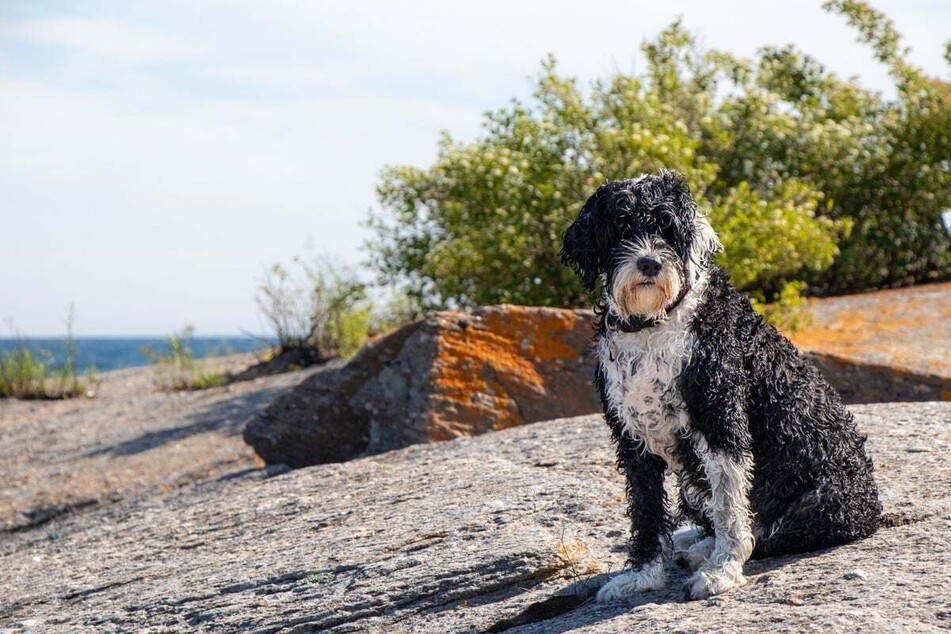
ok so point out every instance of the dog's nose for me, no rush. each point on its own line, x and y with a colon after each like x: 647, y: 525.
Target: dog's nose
x: 648, y: 266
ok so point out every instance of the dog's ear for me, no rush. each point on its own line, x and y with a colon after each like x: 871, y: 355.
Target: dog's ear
x: 675, y: 187
x: 706, y: 244
x: 579, y: 248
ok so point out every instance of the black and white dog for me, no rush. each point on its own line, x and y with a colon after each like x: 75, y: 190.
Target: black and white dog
x: 767, y: 458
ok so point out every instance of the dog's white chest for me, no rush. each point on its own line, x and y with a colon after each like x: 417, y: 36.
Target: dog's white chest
x: 641, y: 372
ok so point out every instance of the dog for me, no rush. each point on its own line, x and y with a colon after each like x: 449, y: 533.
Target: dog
x: 693, y: 381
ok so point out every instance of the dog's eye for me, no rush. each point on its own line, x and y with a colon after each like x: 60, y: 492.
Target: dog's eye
x: 666, y: 221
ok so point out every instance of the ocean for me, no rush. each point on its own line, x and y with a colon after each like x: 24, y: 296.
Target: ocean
x: 115, y: 353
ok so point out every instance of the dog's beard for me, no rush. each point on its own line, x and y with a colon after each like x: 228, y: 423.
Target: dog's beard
x: 634, y: 294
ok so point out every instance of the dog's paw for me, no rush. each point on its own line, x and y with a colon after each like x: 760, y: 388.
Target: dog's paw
x: 694, y: 555
x: 713, y: 581
x: 648, y: 577
x: 684, y: 538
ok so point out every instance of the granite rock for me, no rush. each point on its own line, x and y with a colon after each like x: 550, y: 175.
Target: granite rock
x: 510, y: 531
x: 447, y: 376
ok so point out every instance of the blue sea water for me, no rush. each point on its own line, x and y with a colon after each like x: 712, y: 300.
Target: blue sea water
x: 114, y: 353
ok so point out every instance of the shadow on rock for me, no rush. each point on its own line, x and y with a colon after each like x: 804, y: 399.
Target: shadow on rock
x: 575, y: 606
x: 227, y: 417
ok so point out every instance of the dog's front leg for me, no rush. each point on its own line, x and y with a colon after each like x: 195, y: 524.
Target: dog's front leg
x: 651, y: 521
x: 715, y: 388
x: 729, y: 511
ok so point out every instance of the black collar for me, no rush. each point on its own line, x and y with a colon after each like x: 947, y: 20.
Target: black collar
x: 637, y: 323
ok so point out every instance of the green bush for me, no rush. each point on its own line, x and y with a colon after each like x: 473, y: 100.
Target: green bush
x: 350, y: 330
x: 807, y: 177
x: 770, y: 239
x: 392, y: 311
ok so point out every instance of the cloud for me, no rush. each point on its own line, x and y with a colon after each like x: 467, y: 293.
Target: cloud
x: 275, y: 155
x: 101, y: 37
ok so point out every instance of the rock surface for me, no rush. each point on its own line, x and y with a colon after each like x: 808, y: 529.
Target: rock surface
x: 61, y: 456
x: 883, y: 346
x: 447, y: 376
x: 510, y: 531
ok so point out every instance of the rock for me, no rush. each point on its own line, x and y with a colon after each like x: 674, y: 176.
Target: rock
x: 507, y: 531
x: 860, y: 381
x: 66, y: 456
x: 447, y: 376
x: 855, y: 575
x: 892, y: 345
x: 458, y: 375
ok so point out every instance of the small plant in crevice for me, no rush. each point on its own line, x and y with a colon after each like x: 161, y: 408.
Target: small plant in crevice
x: 176, y: 368
x: 570, y: 555
x: 22, y: 374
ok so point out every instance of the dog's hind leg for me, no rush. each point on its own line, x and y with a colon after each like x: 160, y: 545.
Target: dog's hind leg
x: 820, y: 518
x: 692, y: 547
x: 687, y: 536
x: 694, y: 542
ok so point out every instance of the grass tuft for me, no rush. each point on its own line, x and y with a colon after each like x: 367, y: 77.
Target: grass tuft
x: 28, y: 375
x: 177, y: 368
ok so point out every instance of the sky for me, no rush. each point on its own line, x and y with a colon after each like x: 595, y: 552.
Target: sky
x: 156, y: 157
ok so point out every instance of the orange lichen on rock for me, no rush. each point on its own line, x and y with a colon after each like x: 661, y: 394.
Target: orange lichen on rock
x: 494, y: 366
x: 903, y: 328
x: 541, y: 334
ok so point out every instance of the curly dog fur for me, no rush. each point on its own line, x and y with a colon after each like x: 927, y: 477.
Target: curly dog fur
x: 692, y: 380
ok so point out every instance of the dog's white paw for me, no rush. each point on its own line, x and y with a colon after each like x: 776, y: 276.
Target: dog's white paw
x: 684, y: 538
x: 714, y: 581
x: 694, y: 555
x: 648, y: 577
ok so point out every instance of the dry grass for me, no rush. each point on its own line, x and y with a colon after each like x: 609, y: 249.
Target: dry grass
x: 571, y: 555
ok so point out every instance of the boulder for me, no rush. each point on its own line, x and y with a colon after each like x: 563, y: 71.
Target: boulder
x: 510, y: 531
x: 447, y: 376
x: 891, y: 345
x: 860, y: 381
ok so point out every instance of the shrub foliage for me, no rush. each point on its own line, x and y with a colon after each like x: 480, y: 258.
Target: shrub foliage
x: 318, y: 311
x: 807, y: 177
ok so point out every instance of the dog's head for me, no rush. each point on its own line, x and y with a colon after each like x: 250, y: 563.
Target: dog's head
x: 648, y: 239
